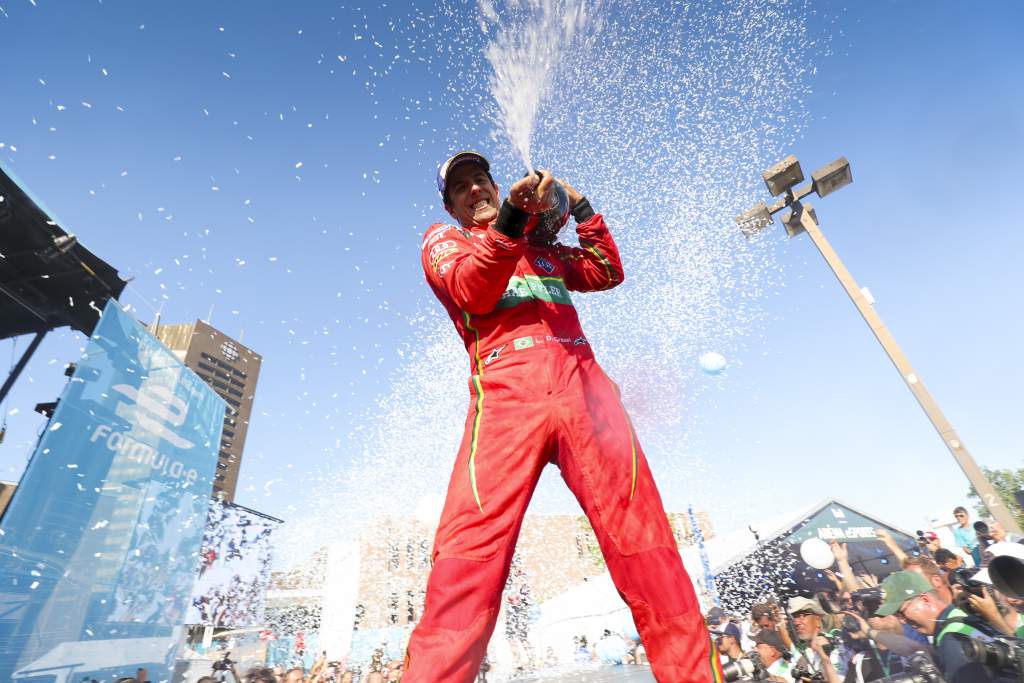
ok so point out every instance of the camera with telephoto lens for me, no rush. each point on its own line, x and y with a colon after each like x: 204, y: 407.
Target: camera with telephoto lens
x: 920, y: 669
x: 748, y: 668
x: 963, y: 579
x: 1006, y: 654
x: 803, y: 675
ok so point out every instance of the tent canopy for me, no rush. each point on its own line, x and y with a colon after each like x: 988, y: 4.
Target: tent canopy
x: 773, y: 564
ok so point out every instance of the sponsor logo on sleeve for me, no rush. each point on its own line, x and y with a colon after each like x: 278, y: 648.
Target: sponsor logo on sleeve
x: 434, y: 235
x: 545, y: 265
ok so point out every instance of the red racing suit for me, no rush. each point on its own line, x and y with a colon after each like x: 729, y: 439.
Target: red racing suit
x: 536, y: 396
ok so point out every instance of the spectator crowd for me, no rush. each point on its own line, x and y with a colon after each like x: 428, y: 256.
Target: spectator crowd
x: 938, y: 618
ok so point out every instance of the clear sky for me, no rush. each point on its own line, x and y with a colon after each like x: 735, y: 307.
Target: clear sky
x: 275, y: 162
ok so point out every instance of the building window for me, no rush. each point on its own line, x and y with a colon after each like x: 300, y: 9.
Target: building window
x: 393, y: 608
x: 393, y: 561
x: 360, y: 613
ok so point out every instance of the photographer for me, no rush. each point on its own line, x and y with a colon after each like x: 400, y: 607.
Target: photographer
x: 818, y: 656
x: 727, y: 639
x: 774, y: 656
x: 914, y: 600
x: 975, y: 598
x: 871, y: 660
x: 767, y: 616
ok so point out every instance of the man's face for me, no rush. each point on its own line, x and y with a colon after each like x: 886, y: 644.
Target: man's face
x: 293, y: 676
x: 920, y: 612
x: 765, y: 621
x: 961, y: 518
x: 768, y: 653
x: 807, y: 625
x: 726, y: 643
x: 472, y: 196
x: 953, y: 563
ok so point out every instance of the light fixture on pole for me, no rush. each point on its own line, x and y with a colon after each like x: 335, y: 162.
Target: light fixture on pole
x: 781, y: 179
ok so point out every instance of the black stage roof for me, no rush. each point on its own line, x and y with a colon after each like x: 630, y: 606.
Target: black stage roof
x: 47, y: 279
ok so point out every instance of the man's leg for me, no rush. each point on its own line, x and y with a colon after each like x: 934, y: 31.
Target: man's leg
x: 602, y: 463
x: 495, y: 473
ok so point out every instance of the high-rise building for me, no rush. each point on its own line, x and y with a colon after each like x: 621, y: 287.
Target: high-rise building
x: 232, y: 370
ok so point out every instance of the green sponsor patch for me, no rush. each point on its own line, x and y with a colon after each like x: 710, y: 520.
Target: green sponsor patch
x: 522, y: 343
x: 534, y: 288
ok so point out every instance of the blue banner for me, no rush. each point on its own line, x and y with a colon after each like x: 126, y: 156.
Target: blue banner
x: 709, y: 577
x: 100, y: 545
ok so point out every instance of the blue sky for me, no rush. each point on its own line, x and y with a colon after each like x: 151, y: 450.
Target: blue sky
x: 228, y: 156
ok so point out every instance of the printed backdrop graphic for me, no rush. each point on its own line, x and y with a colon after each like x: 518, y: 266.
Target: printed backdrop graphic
x: 234, y: 569
x: 100, y: 545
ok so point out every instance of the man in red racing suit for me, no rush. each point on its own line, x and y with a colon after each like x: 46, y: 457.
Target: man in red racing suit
x: 537, y: 395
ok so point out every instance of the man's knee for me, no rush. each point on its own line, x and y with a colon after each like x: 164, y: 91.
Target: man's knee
x: 657, y: 578
x: 460, y: 590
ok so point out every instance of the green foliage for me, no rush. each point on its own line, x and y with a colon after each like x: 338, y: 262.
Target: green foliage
x: 1006, y: 483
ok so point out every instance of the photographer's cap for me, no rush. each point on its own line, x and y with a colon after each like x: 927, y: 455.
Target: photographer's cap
x: 468, y: 156
x: 900, y: 587
x: 771, y: 637
x: 802, y: 604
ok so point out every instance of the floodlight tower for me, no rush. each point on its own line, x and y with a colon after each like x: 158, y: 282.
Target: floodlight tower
x: 782, y: 179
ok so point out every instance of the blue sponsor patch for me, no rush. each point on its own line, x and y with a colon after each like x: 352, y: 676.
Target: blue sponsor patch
x: 544, y: 265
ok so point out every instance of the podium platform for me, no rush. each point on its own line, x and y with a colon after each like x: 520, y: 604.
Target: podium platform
x: 614, y: 674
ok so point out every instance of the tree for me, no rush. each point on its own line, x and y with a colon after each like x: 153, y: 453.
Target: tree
x: 1006, y: 483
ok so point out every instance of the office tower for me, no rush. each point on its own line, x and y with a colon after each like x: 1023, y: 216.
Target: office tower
x: 232, y: 370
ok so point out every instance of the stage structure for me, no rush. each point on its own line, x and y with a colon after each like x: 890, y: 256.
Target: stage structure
x: 100, y: 545
x: 47, y: 278
x: 771, y: 563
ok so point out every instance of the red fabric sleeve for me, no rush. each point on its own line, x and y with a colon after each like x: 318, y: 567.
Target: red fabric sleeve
x: 471, y: 271
x: 595, y: 264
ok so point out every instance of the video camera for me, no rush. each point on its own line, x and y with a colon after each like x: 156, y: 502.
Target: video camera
x: 802, y: 675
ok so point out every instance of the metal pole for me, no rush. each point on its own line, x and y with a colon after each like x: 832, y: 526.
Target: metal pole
x: 16, y: 370
x: 988, y: 494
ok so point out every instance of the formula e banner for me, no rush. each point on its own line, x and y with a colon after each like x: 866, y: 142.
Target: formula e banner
x: 100, y: 545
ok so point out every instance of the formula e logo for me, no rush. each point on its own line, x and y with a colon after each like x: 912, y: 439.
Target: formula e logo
x: 494, y: 354
x: 154, y: 408
x: 544, y: 265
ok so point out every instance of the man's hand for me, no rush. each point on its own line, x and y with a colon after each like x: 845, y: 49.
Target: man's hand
x: 869, y: 580
x: 818, y: 644
x: 574, y: 195
x: 864, y: 628
x: 839, y: 551
x: 528, y: 194
x: 986, y: 606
